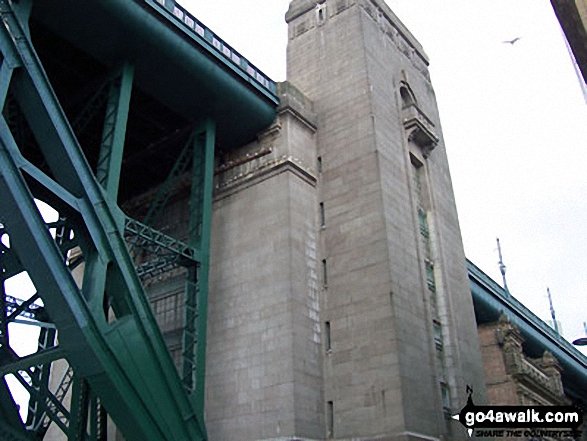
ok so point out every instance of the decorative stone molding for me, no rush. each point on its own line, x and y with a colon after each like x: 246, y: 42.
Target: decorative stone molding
x: 397, y: 33
x: 377, y: 10
x: 294, y: 101
x: 420, y: 129
x: 271, y: 153
x: 541, y: 375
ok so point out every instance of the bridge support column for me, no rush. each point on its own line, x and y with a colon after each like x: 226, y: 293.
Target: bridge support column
x: 196, y: 295
x: 122, y: 355
x: 114, y: 133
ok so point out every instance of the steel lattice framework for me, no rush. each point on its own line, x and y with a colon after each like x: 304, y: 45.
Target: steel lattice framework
x: 99, y: 347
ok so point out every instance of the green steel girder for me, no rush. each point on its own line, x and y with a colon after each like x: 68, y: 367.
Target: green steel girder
x: 114, y: 133
x: 9, y: 434
x: 47, y: 403
x: 10, y: 262
x: 41, y: 370
x: 37, y: 359
x: 92, y: 107
x: 11, y: 427
x: 166, y: 190
x: 59, y: 394
x: 163, y: 253
x: 25, y: 308
x: 80, y: 402
x: 106, y: 328
x: 200, y: 226
x: 155, y: 242
x: 169, y: 253
x: 4, y: 343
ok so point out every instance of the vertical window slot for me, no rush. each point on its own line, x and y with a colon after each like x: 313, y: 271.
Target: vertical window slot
x: 330, y: 419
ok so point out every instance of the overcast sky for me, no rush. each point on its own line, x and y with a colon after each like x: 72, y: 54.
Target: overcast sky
x: 514, y: 122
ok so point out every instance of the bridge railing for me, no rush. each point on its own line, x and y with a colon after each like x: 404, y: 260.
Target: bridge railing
x: 197, y: 29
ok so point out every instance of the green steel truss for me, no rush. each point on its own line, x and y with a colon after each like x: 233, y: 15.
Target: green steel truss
x: 99, y: 347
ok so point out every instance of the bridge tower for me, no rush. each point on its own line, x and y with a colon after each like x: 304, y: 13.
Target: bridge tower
x: 399, y: 335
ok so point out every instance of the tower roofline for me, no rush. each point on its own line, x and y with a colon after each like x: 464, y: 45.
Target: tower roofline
x: 395, y: 20
x: 300, y: 7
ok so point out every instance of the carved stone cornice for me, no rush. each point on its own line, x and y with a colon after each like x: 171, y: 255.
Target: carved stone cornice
x: 541, y: 375
x: 420, y: 129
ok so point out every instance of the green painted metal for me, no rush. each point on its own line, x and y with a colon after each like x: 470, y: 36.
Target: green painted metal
x: 164, y: 252
x: 80, y: 401
x: 40, y: 358
x: 92, y: 107
x: 106, y: 328
x: 166, y: 190
x: 97, y: 329
x: 113, y: 135
x: 172, y: 61
x: 200, y: 228
x: 40, y: 369
x: 196, y: 290
x: 189, y: 24
x: 4, y: 344
x: 9, y: 434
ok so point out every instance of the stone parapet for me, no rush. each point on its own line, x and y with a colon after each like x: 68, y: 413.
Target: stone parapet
x: 274, y: 149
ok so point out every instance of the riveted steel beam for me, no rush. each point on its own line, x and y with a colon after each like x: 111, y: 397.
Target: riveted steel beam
x: 200, y: 224
x: 114, y: 132
x: 169, y: 185
x: 37, y: 359
x: 104, y: 322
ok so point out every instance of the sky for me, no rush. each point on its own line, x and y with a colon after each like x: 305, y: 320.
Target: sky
x: 514, y: 123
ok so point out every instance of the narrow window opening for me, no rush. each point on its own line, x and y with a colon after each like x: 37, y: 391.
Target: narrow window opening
x: 438, y: 334
x: 327, y: 338
x: 324, y: 273
x: 440, y: 361
x: 319, y: 164
x: 445, y: 398
x: 430, y: 279
x: 322, y: 216
x: 407, y: 95
x: 330, y: 418
x: 320, y: 15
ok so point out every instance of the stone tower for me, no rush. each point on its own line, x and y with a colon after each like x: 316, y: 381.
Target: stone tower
x: 398, y: 322
x: 340, y: 305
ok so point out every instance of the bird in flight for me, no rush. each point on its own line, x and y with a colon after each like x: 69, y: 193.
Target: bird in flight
x: 512, y: 42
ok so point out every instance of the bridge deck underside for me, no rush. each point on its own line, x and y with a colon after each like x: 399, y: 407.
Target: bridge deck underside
x: 176, y: 83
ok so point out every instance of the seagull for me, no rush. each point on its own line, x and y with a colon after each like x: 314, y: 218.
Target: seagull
x: 512, y: 42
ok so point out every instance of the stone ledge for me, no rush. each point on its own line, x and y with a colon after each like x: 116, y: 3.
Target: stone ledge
x: 266, y: 171
x: 300, y: 7
x: 294, y: 101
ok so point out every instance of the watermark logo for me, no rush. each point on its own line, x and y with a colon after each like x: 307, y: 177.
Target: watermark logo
x: 517, y: 421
